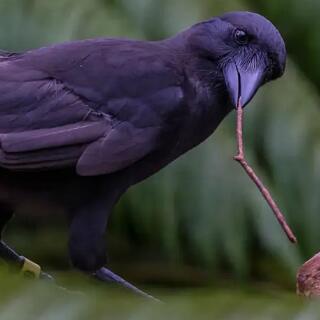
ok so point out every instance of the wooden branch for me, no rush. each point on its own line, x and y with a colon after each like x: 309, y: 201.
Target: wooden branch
x: 240, y: 157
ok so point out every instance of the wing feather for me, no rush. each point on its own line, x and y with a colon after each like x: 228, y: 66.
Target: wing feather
x: 72, y: 134
x: 47, y: 94
x: 121, y: 147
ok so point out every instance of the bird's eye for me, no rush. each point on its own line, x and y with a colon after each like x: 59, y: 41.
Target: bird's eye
x: 241, y: 37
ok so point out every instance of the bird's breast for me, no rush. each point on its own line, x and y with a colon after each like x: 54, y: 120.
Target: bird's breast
x: 194, y: 119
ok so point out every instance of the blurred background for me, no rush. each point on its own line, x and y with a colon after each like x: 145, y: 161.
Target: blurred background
x: 198, y: 232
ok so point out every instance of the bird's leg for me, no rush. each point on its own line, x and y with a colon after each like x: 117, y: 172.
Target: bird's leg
x: 87, y: 243
x: 27, y: 267
x: 6, y: 253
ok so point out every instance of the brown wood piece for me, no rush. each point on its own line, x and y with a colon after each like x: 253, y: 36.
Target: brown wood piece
x: 240, y: 157
x: 308, y: 278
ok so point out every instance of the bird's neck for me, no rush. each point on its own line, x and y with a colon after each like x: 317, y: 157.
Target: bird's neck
x: 188, y: 48
x: 208, y: 99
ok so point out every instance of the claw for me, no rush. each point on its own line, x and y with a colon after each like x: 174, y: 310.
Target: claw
x: 32, y: 270
x: 106, y: 275
x: 47, y: 277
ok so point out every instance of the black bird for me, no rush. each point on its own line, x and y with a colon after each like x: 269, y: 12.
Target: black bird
x: 82, y: 121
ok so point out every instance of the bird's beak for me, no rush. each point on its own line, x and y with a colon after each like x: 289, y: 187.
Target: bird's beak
x: 243, y: 82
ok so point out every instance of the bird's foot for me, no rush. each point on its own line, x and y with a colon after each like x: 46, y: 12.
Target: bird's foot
x: 31, y: 270
x: 26, y: 267
x: 107, y: 275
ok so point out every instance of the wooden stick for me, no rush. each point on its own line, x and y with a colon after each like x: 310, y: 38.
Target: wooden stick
x: 240, y: 157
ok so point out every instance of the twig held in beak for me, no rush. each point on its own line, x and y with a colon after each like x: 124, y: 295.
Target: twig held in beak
x: 240, y: 157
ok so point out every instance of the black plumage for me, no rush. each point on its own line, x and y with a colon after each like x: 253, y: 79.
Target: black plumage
x: 82, y: 121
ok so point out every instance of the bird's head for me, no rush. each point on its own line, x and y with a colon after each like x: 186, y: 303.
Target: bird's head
x: 247, y: 48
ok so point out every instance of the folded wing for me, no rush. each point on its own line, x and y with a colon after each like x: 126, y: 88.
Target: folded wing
x: 51, y: 101
x: 46, y: 126
x: 93, y: 148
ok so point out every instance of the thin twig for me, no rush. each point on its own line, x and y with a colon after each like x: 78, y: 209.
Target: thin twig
x: 240, y: 157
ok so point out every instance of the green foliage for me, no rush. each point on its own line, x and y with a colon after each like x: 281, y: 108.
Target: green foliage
x: 35, y: 301
x: 299, y: 23
x: 202, y: 210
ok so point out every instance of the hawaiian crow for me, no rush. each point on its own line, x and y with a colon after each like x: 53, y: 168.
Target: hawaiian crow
x: 82, y: 121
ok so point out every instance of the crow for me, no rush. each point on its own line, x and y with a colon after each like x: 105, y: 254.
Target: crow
x: 82, y: 121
